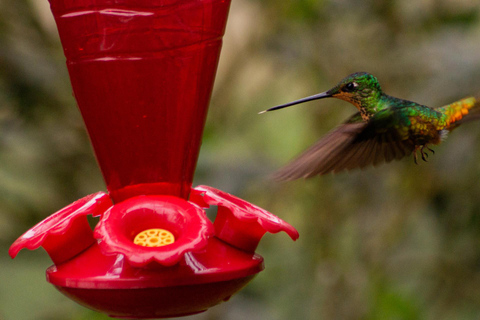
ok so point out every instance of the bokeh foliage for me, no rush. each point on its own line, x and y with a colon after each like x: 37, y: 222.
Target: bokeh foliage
x: 396, y: 242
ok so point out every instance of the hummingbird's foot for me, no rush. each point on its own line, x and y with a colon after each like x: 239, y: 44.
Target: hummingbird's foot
x: 415, y: 155
x: 423, y: 153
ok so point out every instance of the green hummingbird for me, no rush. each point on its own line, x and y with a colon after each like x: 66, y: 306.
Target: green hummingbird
x: 385, y: 128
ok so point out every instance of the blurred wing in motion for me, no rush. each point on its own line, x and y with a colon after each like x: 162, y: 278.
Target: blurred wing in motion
x: 354, y: 144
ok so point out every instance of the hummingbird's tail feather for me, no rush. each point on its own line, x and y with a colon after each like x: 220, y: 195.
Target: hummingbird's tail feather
x: 473, y: 114
x: 461, y: 111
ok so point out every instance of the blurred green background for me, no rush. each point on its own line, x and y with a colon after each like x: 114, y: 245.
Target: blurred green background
x: 401, y: 241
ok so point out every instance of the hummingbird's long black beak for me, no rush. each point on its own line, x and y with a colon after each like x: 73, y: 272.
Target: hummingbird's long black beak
x: 322, y: 95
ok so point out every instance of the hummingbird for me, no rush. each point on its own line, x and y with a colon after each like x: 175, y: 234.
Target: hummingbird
x: 385, y: 128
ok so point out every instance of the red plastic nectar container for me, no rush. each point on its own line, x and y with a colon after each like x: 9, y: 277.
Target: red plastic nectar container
x: 142, y: 73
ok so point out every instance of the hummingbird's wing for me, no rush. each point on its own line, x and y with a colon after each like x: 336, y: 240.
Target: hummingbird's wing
x: 354, y: 144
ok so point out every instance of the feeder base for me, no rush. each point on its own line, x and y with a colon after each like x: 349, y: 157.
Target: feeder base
x: 150, y: 303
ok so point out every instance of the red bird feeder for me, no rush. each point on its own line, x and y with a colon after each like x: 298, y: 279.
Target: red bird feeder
x: 142, y: 73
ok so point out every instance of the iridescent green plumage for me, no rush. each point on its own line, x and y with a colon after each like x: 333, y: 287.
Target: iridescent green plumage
x: 385, y: 128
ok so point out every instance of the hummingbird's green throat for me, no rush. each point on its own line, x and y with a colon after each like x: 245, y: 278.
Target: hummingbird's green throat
x: 384, y: 129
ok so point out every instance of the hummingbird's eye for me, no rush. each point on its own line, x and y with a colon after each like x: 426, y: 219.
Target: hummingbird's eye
x: 349, y: 87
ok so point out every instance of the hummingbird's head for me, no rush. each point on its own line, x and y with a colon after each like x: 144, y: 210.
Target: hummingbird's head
x: 360, y: 89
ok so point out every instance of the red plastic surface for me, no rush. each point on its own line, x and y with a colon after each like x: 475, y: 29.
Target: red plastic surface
x: 92, y: 269
x: 142, y: 73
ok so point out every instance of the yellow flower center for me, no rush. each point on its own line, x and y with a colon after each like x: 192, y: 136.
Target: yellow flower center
x: 154, y: 238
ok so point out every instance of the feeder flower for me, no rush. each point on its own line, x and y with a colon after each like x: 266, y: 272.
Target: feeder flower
x: 183, y: 223
x: 65, y: 233
x: 239, y: 222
